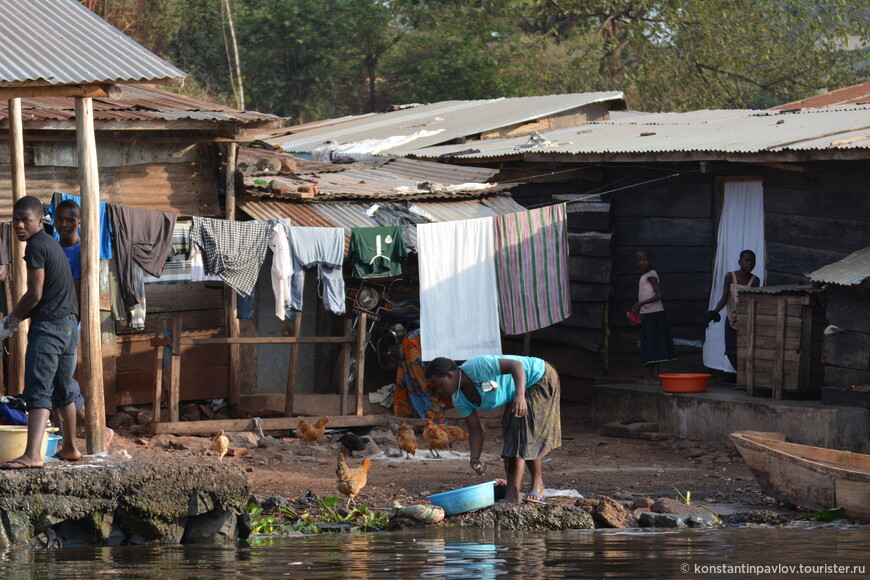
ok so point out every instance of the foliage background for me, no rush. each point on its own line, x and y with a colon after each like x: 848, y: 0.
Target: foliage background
x: 314, y: 59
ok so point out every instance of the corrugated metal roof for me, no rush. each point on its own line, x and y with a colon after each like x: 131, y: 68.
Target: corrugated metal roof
x: 792, y: 289
x: 56, y: 42
x: 854, y: 95
x: 437, y: 172
x: 853, y: 269
x: 449, y: 120
x: 137, y: 103
x: 353, y: 214
x: 712, y: 132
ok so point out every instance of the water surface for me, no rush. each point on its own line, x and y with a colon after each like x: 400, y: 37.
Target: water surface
x: 471, y: 553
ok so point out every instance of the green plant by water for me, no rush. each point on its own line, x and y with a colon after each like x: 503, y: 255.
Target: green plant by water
x: 286, y: 520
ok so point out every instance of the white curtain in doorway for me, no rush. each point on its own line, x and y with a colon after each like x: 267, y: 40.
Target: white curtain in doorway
x: 741, y: 227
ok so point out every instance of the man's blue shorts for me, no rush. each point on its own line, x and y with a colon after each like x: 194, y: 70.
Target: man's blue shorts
x: 50, y: 362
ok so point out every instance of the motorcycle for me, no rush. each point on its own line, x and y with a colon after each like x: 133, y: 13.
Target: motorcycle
x: 394, y: 310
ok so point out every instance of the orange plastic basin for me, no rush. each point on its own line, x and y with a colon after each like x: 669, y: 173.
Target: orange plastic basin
x: 684, y: 382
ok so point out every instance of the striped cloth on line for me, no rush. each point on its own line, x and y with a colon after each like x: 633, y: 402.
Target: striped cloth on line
x: 531, y: 257
x: 176, y: 270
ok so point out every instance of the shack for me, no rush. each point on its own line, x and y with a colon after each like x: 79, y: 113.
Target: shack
x: 158, y: 151
x: 845, y: 291
x: 668, y: 179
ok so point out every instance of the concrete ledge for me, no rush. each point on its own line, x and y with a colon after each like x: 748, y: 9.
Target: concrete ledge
x: 713, y: 415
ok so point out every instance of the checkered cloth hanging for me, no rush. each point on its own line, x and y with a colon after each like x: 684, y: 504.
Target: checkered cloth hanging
x: 232, y: 250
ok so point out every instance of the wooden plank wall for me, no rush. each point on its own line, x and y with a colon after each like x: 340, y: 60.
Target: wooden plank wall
x: 187, y: 188
x: 846, y: 354
x: 673, y: 218
x: 814, y: 218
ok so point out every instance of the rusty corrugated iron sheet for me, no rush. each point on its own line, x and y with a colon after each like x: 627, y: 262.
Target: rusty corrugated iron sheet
x: 851, y: 270
x: 137, y: 103
x: 854, y: 95
x: 57, y: 42
x: 437, y: 172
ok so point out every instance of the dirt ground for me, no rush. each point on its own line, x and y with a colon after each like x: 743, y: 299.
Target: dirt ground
x: 588, y: 462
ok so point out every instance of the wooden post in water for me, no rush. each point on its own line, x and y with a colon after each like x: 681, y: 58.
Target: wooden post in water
x: 19, y: 272
x: 91, y: 369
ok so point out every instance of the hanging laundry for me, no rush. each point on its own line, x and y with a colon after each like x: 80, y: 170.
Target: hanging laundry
x: 245, y: 305
x: 531, y: 260
x: 377, y: 252
x: 142, y: 236
x: 323, y: 248
x: 177, y: 268
x: 458, y: 292
x: 282, y: 269
x: 137, y: 313
x: 105, y: 222
x: 197, y: 268
x: 232, y: 250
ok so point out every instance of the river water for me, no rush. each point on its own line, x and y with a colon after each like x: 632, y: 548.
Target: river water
x: 479, y: 554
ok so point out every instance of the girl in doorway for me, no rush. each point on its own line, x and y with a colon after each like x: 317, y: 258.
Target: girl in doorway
x: 656, y: 343
x: 731, y: 285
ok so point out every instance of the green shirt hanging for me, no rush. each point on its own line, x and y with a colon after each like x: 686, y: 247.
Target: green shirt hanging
x: 377, y: 252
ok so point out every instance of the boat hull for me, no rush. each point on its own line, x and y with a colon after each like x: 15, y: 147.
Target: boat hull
x: 812, y: 477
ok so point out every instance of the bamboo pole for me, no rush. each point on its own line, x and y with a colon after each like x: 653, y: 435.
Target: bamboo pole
x: 91, y: 370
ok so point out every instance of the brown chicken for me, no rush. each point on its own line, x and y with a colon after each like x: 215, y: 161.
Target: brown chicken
x: 351, y: 480
x: 436, y: 437
x: 455, y: 433
x: 311, y: 433
x: 407, y: 440
x: 221, y: 444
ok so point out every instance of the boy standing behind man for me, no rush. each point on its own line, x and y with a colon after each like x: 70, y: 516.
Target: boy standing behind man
x: 51, y: 304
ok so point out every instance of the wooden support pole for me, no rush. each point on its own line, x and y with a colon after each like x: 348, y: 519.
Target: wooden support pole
x: 291, y: 369
x: 235, y: 366
x: 19, y: 277
x: 779, y: 350
x: 361, y: 339
x: 174, y: 370
x: 344, y: 365
x: 158, y: 372
x: 750, y: 344
x: 91, y: 369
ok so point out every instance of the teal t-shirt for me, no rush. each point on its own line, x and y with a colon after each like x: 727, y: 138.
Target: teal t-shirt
x: 481, y: 369
x: 377, y: 252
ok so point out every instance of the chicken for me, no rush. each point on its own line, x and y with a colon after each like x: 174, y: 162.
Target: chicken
x: 436, y: 437
x: 353, y: 442
x: 221, y: 444
x: 311, y: 433
x: 351, y: 480
x: 407, y: 440
x: 455, y: 433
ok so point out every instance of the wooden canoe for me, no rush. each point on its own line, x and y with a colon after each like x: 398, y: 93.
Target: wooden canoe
x: 812, y: 477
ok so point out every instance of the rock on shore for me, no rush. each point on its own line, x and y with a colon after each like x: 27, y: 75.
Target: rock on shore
x: 109, y: 503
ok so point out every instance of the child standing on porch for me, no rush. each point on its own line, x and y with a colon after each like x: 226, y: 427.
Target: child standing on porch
x: 733, y: 283
x: 656, y: 343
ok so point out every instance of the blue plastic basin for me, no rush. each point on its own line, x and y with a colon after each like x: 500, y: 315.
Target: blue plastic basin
x: 465, y: 499
x: 51, y: 447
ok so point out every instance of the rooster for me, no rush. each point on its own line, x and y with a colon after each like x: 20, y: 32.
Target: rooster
x: 221, y: 444
x: 311, y: 433
x: 455, y: 433
x: 436, y: 437
x: 407, y: 440
x: 351, y: 480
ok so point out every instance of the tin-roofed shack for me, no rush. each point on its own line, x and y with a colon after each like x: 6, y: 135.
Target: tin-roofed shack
x: 665, y: 178
x: 846, y: 342
x: 344, y: 195
x: 160, y: 151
